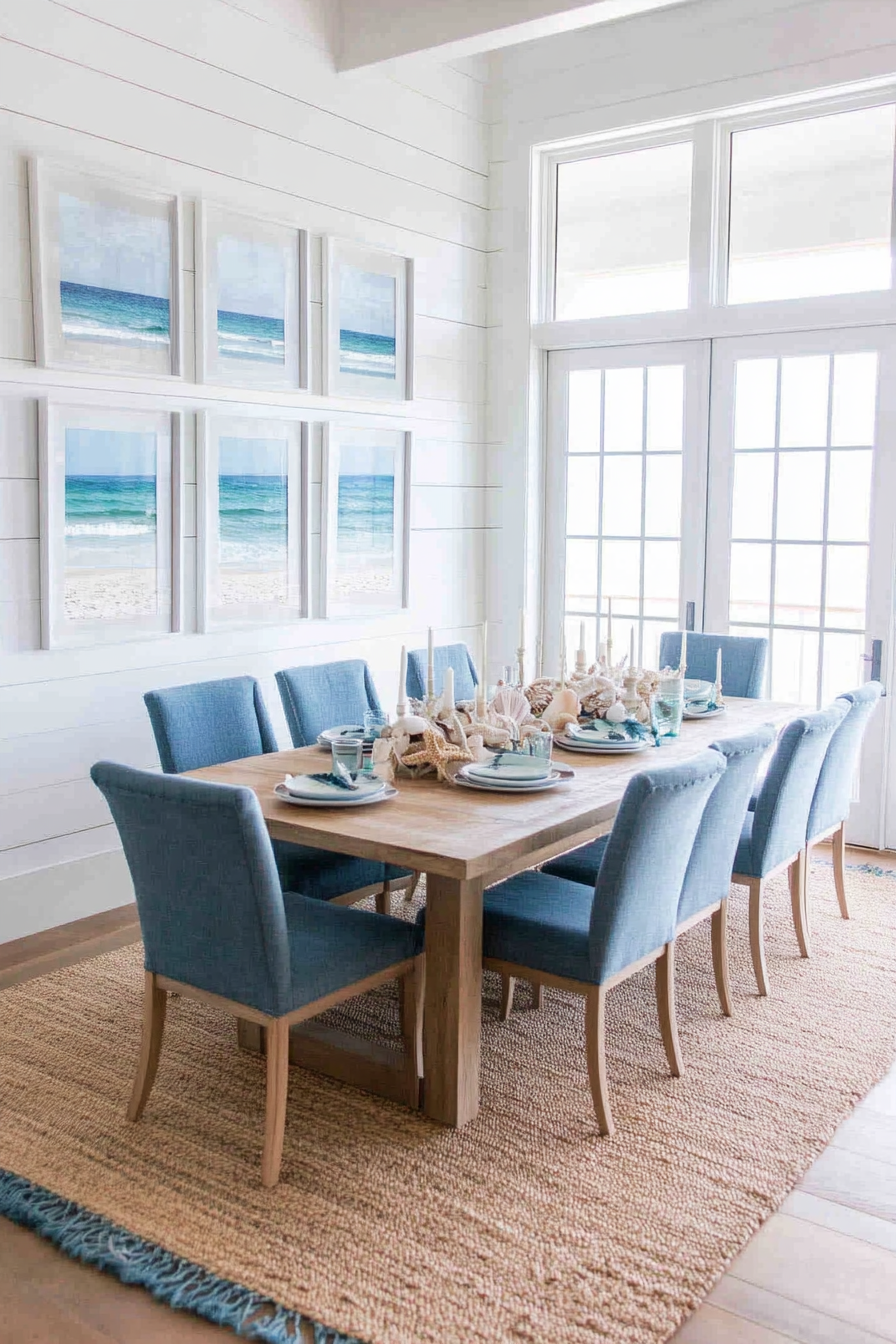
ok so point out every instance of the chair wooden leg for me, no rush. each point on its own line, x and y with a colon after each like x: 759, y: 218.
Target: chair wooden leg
x: 797, y: 876
x: 757, y: 942
x: 154, y: 1004
x: 508, y: 985
x: 838, y: 841
x: 596, y: 1055
x: 383, y: 900
x: 411, y: 890
x: 277, y: 1040
x: 411, y: 988
x: 720, y: 957
x: 665, y: 1006
x: 537, y: 994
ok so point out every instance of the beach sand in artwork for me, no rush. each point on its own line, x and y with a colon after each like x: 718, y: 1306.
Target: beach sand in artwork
x: 110, y: 594
x: 252, y: 587
x: 374, y: 579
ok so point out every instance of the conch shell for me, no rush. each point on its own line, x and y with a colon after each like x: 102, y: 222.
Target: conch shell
x: 540, y: 693
x: 563, y: 709
x: 596, y: 693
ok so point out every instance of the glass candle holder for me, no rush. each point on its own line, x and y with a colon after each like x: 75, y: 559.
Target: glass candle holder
x: 668, y: 706
x: 348, y: 752
x: 375, y: 720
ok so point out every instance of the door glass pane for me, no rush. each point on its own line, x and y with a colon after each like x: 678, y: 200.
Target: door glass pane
x: 843, y: 667
x: 584, y: 411
x: 623, y: 410
x: 816, y: 558
x: 662, y: 506
x: 811, y: 205
x: 622, y: 496
x: 581, y: 575
x: 621, y: 573
x: 623, y: 224
x: 582, y: 496
x: 661, y: 578
x: 665, y: 409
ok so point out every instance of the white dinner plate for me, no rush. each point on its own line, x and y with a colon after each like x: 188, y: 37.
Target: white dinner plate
x: 345, y: 799
x: 697, y: 690
x: 600, y: 748
x: 533, y: 786
x: 692, y: 712
x: 527, y: 771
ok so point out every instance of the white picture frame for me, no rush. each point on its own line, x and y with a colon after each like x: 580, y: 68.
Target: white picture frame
x: 243, y: 266
x: 373, y: 290
x: 252, y: 525
x: 365, y: 523
x: 106, y: 274
x: 111, y: 524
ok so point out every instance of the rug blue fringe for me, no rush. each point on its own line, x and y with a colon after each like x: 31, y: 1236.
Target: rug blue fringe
x: 176, y: 1282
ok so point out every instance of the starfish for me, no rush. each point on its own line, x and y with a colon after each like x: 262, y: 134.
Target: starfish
x: 437, y: 752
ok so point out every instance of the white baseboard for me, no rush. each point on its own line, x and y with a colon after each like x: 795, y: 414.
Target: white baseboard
x: 39, y: 900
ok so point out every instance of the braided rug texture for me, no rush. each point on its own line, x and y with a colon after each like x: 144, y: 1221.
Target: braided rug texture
x: 523, y: 1227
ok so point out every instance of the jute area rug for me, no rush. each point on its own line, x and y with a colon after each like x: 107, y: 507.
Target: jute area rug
x: 525, y: 1226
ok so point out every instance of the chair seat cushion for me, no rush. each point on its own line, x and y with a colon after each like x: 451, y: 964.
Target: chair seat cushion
x: 323, y: 874
x: 331, y: 946
x: 580, y: 865
x: 394, y: 873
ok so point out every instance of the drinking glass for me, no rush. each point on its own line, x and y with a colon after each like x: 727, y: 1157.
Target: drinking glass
x: 541, y: 745
x: 349, y: 752
x: 374, y: 723
x: 668, y: 705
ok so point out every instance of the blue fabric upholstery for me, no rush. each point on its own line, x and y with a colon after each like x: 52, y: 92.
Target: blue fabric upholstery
x: 323, y: 696
x: 776, y: 830
x: 210, y: 722
x: 709, y: 868
x: 833, y: 792
x: 466, y: 678
x: 743, y: 660
x: 211, y: 911
x: 545, y: 923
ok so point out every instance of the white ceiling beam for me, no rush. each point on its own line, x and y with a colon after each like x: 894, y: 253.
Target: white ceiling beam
x: 372, y: 31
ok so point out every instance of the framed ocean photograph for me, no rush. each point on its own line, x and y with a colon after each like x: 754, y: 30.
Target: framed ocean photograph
x: 253, y: 499
x: 105, y: 274
x: 369, y: 307
x: 110, y: 524
x: 364, y: 520
x: 252, y: 301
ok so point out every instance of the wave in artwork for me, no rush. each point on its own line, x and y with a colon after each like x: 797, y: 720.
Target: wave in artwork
x: 365, y: 534
x: 110, y: 547
x: 244, y: 336
x: 113, y: 316
x: 365, y: 353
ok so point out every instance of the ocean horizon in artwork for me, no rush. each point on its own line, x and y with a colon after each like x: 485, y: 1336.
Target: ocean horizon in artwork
x: 113, y: 316
x: 253, y: 521
x: 365, y: 534
x: 361, y: 352
x: 110, y: 547
x: 251, y: 304
x: 245, y: 336
x: 367, y: 304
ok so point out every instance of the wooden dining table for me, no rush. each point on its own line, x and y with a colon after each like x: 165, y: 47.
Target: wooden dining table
x: 464, y: 841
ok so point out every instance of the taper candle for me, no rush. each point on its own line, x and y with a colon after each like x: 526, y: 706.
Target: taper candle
x: 402, y: 704
x: 631, y: 647
x: 448, y: 691
x: 522, y: 627
x: 581, y: 655
x: 430, y: 667
x: 609, y: 622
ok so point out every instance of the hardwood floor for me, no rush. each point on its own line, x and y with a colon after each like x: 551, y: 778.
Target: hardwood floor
x: 821, y: 1271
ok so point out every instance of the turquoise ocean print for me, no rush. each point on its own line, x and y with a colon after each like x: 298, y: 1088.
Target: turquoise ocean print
x: 114, y: 274
x: 253, y: 520
x: 365, y: 526
x: 111, y: 524
x: 367, y: 314
x: 251, y: 301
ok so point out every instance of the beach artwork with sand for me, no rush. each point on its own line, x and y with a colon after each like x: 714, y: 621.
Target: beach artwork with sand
x: 365, y: 521
x: 114, y: 274
x: 253, y: 521
x: 111, y: 525
x: 367, y: 316
x: 251, y: 300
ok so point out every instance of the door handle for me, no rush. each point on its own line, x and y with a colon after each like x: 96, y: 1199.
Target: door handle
x: 689, y: 615
x: 875, y: 658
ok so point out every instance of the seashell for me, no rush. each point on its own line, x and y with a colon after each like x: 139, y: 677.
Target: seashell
x: 617, y: 713
x: 510, y: 703
x: 410, y: 724
x: 540, y: 693
x: 476, y: 745
x: 565, y: 705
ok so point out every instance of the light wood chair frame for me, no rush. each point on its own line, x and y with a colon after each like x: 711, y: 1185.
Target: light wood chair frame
x: 837, y: 837
x: 381, y: 893
x: 370, y: 1070
x: 796, y: 868
x: 596, y: 1016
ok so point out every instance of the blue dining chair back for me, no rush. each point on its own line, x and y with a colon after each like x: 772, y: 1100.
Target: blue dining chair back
x: 466, y: 678
x: 833, y: 792
x: 209, y: 722
x: 208, y: 894
x: 324, y: 696
x: 638, y: 886
x: 708, y: 876
x: 743, y: 660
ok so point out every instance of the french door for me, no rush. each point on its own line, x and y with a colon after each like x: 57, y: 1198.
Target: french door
x: 760, y: 499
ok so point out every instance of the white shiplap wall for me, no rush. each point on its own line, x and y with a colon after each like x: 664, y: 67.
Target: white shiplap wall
x: 239, y: 104
x: 702, y: 57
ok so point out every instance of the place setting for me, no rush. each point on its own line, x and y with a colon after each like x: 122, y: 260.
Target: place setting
x: 350, y: 782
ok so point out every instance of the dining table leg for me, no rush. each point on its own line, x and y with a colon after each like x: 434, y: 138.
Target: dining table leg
x: 453, y: 1001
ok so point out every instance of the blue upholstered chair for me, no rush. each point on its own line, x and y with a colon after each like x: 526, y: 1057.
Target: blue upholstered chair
x: 743, y: 660
x: 216, y: 927
x: 585, y: 939
x: 210, y: 722
x: 773, y: 839
x: 704, y: 892
x: 833, y: 792
x: 324, y: 696
x: 466, y: 678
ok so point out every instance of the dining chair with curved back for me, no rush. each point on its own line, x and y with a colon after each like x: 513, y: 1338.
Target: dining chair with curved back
x: 773, y: 838
x: 743, y: 660
x: 210, y: 722
x: 707, y: 881
x: 833, y: 792
x: 327, y: 695
x: 587, y: 938
x: 456, y: 656
x: 216, y: 927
